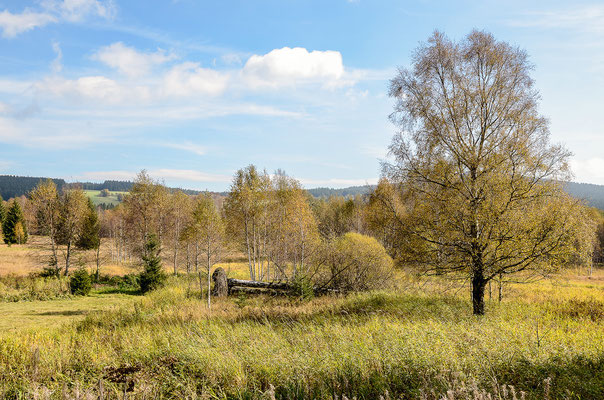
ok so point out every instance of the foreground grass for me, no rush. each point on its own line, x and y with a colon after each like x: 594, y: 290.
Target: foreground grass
x: 547, y: 341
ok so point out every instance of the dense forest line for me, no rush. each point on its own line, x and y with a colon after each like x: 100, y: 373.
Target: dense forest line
x: 17, y: 186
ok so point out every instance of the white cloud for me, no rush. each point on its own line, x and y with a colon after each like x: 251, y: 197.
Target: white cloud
x: 56, y: 66
x: 14, y: 24
x: 589, y: 18
x: 338, y: 183
x: 129, y: 61
x: 97, y: 88
x: 50, y: 134
x: 287, y: 66
x: 105, y: 175
x: 10, y: 131
x: 188, y: 146
x: 167, y: 174
x: 588, y: 171
x: 188, y: 175
x: 190, y: 79
x: 78, y: 10
x: 231, y: 59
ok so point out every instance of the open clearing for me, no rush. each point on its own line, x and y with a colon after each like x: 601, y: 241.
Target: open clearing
x: 112, y: 199
x: 23, y: 315
x: 412, y: 340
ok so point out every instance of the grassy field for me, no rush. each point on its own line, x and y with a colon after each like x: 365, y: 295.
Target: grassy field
x: 415, y: 341
x: 545, y: 340
x: 96, y: 199
x: 33, y: 257
x: 42, y: 315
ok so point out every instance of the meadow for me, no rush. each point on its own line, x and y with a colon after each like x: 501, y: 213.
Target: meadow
x: 97, y: 199
x: 417, y: 340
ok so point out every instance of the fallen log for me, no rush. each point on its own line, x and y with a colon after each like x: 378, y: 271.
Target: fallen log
x: 232, y: 282
x: 255, y: 286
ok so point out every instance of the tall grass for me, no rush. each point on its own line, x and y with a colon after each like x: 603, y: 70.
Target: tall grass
x: 546, y: 341
x: 19, y: 288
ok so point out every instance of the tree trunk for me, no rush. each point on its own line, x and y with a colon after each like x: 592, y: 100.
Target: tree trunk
x: 209, y: 275
x: 67, y: 256
x: 98, y: 260
x: 188, y: 258
x: 478, y: 288
x: 196, y: 256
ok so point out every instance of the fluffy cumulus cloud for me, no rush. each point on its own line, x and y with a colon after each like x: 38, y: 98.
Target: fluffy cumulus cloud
x: 129, y: 61
x: 154, y: 77
x: 288, y: 66
x: 53, y: 11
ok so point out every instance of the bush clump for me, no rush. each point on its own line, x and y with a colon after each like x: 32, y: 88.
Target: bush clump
x: 80, y: 283
x: 355, y: 262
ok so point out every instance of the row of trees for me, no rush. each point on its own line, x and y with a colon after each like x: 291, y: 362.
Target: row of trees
x: 283, y: 232
x: 68, y: 218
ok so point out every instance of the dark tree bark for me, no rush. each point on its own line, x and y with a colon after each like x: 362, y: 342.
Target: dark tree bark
x: 479, y: 284
x: 221, y: 287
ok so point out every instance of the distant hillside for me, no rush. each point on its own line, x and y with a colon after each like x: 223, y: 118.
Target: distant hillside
x: 113, y: 186
x: 17, y: 186
x: 323, y: 192
x: 592, y: 194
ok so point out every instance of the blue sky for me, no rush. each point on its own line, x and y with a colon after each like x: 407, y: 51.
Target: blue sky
x: 193, y: 90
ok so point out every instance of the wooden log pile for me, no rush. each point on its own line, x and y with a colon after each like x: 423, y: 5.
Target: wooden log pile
x: 224, y: 286
x: 240, y: 285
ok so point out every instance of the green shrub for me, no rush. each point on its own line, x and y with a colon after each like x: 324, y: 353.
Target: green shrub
x: 80, y: 283
x: 128, y: 282
x: 50, y: 272
x: 303, y: 288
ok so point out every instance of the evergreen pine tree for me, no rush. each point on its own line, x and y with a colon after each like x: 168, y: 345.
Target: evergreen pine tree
x: 153, y: 276
x: 2, y: 210
x: 89, y: 237
x: 13, y: 226
x: 2, y: 213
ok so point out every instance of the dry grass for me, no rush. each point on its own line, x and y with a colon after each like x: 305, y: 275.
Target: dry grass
x: 417, y: 341
x: 414, y: 342
x: 33, y: 256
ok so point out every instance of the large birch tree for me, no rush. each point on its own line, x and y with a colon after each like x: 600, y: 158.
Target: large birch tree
x: 481, y: 179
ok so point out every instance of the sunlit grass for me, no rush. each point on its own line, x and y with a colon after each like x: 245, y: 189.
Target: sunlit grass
x: 413, y: 340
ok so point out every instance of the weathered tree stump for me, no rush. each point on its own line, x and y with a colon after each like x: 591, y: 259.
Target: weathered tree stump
x: 221, y: 287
